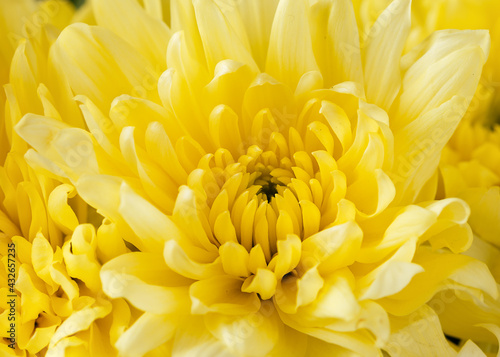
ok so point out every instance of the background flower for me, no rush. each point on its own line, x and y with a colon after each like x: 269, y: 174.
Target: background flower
x: 469, y: 165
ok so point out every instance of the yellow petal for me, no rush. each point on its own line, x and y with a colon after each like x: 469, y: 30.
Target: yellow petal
x: 149, y: 223
x: 159, y: 146
x: 222, y: 33
x: 336, y: 299
x: 194, y: 339
x: 80, y: 158
x: 24, y: 77
x: 254, y: 334
x: 188, y: 216
x: 110, y: 243
x: 230, y: 81
x: 389, y: 279
x: 46, y: 326
x: 80, y: 259
x: 129, y: 21
x: 266, y: 92
x: 60, y: 211
x: 382, y: 53
x: 475, y: 314
x: 263, y: 282
x: 81, y: 320
x: 42, y: 257
x: 378, y: 244
x: 39, y: 131
x: 103, y: 193
x: 234, y: 259
x: 258, y: 19
x: 450, y: 66
x: 191, y: 262
x: 183, y: 18
x: 101, y: 66
x: 378, y: 186
x: 484, y: 219
x: 141, y: 278
x: 418, y: 145
x: 222, y: 294
x: 148, y: 332
x: 334, y: 247
x: 470, y: 349
x: 224, y: 129
x: 32, y: 299
x: 288, y: 255
x: 291, y: 343
x: 160, y: 188
x: 290, y: 53
x: 451, y: 229
x: 442, y: 270
x: 336, y: 42
x: 294, y: 291
x: 424, y: 341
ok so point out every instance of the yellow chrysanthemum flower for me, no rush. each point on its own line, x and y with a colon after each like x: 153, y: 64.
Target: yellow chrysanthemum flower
x: 470, y: 170
x: 274, y: 178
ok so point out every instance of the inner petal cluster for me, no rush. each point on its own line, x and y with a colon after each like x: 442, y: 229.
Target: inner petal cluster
x: 258, y: 204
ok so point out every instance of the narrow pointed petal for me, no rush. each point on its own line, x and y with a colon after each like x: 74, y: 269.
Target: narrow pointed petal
x: 222, y: 32
x: 290, y: 53
x: 382, y: 53
x: 336, y: 42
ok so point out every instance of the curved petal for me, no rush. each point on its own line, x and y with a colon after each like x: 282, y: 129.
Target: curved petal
x: 442, y: 271
x: 148, y: 332
x: 222, y: 294
x: 252, y: 335
x: 427, y: 337
x: 145, y: 281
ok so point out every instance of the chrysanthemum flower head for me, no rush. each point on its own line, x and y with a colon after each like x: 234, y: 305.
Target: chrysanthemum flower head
x: 274, y: 177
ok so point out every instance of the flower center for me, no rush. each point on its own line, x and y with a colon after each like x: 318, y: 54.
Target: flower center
x: 263, y: 197
x: 269, y: 186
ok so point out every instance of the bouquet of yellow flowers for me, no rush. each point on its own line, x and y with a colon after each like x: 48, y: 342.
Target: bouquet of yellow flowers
x: 250, y: 178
